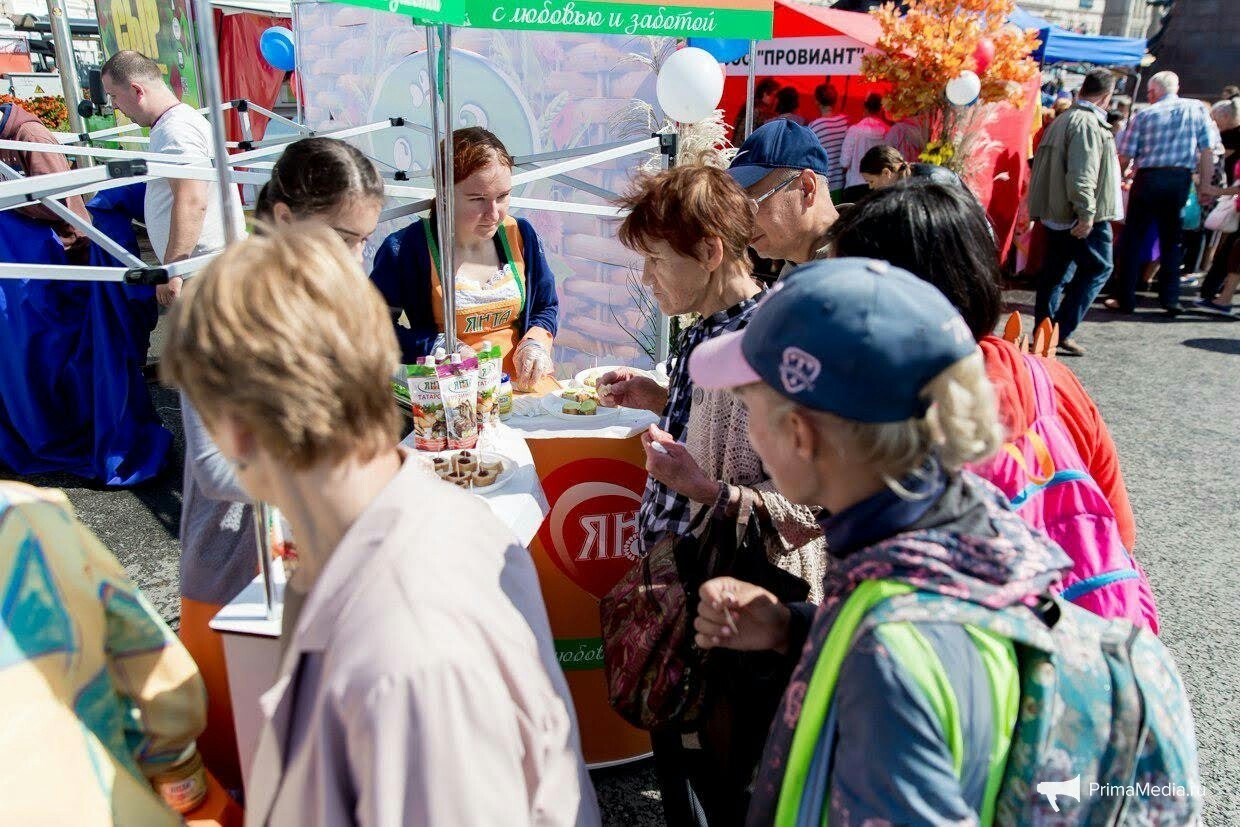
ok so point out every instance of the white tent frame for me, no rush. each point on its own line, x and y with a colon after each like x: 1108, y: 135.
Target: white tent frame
x: 128, y: 167
x: 249, y: 166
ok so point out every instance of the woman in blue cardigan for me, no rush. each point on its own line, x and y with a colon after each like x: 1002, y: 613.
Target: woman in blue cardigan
x: 505, y: 291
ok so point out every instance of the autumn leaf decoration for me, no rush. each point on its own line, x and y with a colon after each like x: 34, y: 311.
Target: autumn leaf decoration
x: 921, y: 50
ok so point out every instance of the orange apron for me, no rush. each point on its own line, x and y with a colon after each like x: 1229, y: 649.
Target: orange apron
x: 477, y: 318
x: 498, y: 320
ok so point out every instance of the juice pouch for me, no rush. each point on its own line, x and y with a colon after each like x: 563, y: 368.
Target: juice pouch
x: 458, y: 387
x: 490, y: 368
x: 430, y: 429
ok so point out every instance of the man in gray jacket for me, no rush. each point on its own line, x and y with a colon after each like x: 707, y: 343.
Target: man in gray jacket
x: 1075, y: 193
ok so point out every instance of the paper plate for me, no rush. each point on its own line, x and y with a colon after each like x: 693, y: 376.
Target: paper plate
x: 505, y: 476
x: 554, y: 405
x: 579, y: 380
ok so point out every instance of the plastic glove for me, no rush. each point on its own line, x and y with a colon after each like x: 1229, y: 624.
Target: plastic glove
x: 465, y: 351
x: 531, y: 362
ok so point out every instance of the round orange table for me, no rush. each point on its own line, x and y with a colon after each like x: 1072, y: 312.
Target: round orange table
x: 594, y: 489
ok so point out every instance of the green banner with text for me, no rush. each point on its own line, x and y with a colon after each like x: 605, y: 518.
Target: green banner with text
x: 579, y: 653
x: 451, y: 12
x: 746, y: 19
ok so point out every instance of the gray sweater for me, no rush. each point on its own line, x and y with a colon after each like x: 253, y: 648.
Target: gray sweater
x: 218, y: 551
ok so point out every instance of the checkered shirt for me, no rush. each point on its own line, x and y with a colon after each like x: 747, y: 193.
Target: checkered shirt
x: 1170, y: 133
x: 664, y: 511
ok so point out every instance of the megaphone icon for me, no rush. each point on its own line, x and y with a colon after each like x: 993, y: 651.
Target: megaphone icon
x: 1053, y: 789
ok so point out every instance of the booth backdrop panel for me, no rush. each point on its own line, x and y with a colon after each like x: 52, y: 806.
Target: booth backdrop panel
x: 538, y: 92
x: 803, y: 27
x: 243, y: 72
x: 1000, y: 177
x: 1004, y: 172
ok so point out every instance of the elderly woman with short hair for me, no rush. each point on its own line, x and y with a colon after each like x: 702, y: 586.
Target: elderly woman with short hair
x: 422, y: 659
x: 692, y: 225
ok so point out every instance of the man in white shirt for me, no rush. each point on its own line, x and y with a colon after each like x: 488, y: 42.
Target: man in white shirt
x: 865, y: 134
x: 184, y: 218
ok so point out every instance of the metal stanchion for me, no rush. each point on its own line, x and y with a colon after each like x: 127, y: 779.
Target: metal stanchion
x: 749, y: 87
x: 209, y: 61
x: 62, y: 42
x: 669, y: 146
x: 444, y: 178
x: 209, y: 57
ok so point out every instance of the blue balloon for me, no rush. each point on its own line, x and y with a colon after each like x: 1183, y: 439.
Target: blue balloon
x: 276, y: 47
x: 722, y: 50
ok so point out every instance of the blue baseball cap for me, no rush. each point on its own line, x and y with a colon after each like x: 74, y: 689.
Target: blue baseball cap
x: 855, y: 337
x: 778, y: 144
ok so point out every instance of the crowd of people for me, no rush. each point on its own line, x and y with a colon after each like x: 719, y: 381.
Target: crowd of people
x: 1111, y: 185
x: 854, y: 435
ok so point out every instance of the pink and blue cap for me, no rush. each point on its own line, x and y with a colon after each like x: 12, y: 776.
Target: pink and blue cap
x: 855, y: 337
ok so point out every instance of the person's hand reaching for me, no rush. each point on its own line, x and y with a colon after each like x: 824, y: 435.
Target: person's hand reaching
x: 737, y: 615
x: 670, y: 462
x: 631, y: 388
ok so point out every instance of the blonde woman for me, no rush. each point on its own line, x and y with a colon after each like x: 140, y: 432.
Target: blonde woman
x: 422, y: 660
x: 866, y: 396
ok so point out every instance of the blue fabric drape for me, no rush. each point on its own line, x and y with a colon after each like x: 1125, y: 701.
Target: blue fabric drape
x: 72, y: 395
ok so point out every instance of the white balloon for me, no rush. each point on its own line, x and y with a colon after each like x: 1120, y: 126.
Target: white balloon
x: 963, y: 89
x: 690, y: 85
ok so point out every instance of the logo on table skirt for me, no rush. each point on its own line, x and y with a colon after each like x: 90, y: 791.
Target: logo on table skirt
x: 591, y: 532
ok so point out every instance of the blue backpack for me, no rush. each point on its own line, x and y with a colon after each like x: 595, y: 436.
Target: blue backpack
x: 1104, y: 733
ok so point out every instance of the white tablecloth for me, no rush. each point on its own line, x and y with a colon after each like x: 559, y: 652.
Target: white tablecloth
x: 520, y: 504
x: 532, y: 420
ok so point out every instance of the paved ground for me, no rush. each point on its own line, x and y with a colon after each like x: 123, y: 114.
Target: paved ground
x: 1170, y: 392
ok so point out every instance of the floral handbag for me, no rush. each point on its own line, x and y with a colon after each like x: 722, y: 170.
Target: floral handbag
x: 656, y: 676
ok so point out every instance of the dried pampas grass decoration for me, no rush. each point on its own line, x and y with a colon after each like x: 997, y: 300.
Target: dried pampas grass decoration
x: 704, y: 142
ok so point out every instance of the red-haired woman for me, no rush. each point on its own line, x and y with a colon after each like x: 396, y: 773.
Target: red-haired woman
x: 505, y: 292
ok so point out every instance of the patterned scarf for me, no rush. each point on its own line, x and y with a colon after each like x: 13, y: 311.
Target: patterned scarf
x: 1015, y: 566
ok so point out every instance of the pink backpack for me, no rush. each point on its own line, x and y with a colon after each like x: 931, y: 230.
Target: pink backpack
x: 1048, y: 484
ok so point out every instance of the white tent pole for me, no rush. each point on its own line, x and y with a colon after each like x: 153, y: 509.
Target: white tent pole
x: 209, y: 59
x: 209, y: 66
x: 442, y: 165
x: 749, y: 87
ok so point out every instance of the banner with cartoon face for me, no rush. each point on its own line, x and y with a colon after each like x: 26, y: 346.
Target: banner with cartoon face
x: 538, y: 92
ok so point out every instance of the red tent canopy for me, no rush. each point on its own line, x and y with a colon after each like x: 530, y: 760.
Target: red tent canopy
x: 793, y: 19
x: 799, y: 21
x: 799, y: 26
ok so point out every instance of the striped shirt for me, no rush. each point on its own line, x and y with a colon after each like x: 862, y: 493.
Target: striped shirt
x: 830, y: 131
x: 1170, y: 133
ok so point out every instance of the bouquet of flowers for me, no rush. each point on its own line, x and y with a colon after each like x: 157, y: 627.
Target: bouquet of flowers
x: 49, y: 109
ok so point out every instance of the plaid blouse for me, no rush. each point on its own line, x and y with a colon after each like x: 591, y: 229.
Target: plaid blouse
x: 664, y: 511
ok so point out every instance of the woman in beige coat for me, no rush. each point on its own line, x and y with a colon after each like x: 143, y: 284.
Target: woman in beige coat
x: 420, y: 684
